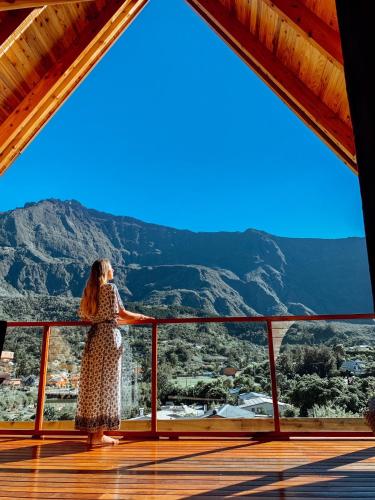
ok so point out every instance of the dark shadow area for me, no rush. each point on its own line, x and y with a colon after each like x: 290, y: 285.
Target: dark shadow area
x: 40, y: 450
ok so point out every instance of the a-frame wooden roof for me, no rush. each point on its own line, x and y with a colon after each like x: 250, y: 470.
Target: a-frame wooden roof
x: 48, y: 46
x: 46, y: 49
x: 295, y: 47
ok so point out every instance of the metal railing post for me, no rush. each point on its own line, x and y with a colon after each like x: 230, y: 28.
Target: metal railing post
x: 271, y: 357
x: 154, y: 378
x: 39, y: 417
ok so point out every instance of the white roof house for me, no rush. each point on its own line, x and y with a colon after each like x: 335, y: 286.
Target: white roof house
x: 250, y: 395
x: 229, y: 411
x: 262, y: 406
x: 170, y: 412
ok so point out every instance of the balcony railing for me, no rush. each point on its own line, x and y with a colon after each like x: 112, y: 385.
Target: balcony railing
x: 281, y: 427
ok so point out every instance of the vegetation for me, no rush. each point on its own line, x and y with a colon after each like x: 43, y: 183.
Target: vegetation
x: 308, y: 367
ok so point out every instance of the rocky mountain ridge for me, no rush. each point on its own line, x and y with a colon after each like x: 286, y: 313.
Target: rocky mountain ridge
x: 46, y: 248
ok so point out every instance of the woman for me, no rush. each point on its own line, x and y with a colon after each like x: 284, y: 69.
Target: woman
x: 99, y: 397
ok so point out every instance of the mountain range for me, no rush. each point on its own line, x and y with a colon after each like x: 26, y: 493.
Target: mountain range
x: 46, y: 248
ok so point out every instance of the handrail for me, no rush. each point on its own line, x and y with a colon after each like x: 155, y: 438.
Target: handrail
x: 212, y: 319
x: 154, y: 323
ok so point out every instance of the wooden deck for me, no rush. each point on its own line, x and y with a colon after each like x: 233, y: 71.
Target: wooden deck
x: 187, y: 468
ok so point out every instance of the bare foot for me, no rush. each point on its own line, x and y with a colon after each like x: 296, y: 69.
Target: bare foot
x: 104, y: 440
x: 116, y: 438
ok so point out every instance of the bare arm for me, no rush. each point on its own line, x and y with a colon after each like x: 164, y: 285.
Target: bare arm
x: 127, y: 317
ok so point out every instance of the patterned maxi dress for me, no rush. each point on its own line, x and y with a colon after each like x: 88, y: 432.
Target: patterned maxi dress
x: 99, y: 395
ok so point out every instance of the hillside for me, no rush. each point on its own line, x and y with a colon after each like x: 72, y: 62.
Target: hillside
x: 46, y: 248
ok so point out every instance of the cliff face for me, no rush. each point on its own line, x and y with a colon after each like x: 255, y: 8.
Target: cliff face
x: 47, y: 248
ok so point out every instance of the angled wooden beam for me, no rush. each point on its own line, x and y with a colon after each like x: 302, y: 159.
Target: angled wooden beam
x: 32, y: 4
x: 317, y: 116
x: 310, y: 26
x: 58, y: 83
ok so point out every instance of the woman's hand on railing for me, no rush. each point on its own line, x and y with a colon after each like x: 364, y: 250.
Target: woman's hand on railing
x: 134, y: 319
x: 129, y: 318
x: 147, y: 319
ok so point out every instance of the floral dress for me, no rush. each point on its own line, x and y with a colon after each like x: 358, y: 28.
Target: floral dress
x: 99, y: 394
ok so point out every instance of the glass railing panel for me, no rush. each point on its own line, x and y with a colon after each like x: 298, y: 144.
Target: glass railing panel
x: 19, y: 376
x: 214, y: 376
x: 64, y: 356
x: 64, y: 361
x: 136, y: 378
x: 325, y: 373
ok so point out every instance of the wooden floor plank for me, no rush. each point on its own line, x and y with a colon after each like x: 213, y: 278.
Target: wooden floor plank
x: 188, y: 468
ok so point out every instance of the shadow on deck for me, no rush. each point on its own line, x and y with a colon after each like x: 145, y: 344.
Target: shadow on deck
x: 188, y: 468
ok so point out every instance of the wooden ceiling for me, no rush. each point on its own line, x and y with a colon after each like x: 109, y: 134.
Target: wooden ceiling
x: 295, y: 47
x: 47, y: 47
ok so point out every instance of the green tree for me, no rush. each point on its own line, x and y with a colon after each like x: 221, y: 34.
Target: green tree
x: 307, y: 391
x: 317, y: 359
x: 50, y: 413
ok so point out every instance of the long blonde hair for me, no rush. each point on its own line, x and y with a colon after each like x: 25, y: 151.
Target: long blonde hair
x: 90, y: 298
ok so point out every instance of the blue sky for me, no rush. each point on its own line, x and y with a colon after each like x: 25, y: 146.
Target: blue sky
x: 171, y: 127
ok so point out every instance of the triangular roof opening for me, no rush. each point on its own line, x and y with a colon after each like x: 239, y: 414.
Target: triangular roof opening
x: 49, y: 46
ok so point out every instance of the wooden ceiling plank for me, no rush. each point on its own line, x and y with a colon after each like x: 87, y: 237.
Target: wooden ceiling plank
x: 333, y: 131
x: 286, y: 47
x: 30, y: 52
x: 332, y: 94
x: 11, y: 77
x: 8, y: 100
x: 310, y: 26
x: 22, y: 60
x: 71, y: 23
x: 79, y: 19
x: 51, y: 72
x: 9, y: 22
x: 253, y: 7
x: 325, y: 9
x: 268, y: 23
x: 30, y: 116
x: 32, y: 4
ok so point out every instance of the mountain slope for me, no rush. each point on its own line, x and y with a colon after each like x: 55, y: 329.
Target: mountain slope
x: 47, y: 248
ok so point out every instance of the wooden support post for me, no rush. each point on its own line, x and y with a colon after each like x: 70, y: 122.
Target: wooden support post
x: 42, y: 382
x: 154, y: 378
x: 271, y: 358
